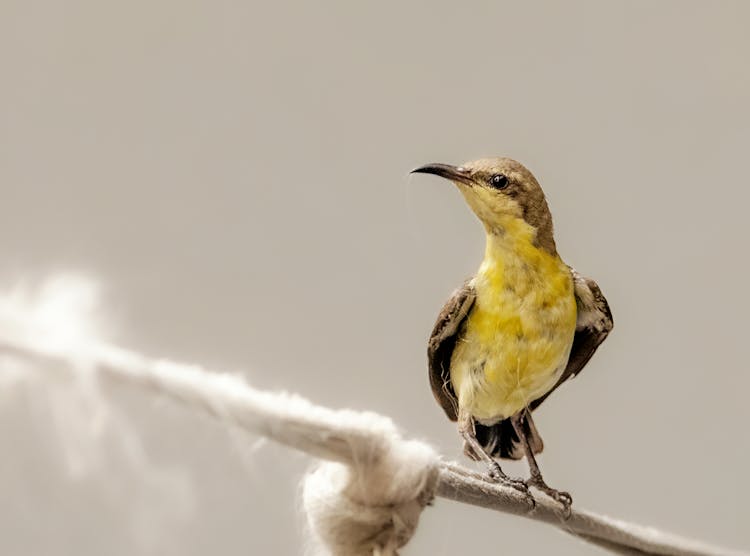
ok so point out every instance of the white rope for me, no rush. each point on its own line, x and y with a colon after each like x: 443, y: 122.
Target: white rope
x: 367, y: 499
x: 371, y: 507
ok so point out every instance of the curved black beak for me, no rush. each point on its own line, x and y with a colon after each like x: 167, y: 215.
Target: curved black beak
x: 453, y: 173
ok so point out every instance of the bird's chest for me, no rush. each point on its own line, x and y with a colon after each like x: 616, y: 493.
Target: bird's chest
x: 517, y: 337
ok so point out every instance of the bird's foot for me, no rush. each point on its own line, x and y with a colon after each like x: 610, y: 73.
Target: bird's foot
x: 497, y: 475
x: 561, y: 497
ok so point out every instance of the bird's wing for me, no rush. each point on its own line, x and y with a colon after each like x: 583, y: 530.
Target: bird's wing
x: 440, y: 347
x: 593, y: 324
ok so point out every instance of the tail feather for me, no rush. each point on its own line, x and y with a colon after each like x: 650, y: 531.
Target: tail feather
x: 501, y: 441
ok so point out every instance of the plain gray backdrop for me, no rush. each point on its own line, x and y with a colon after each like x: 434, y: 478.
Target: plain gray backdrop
x: 235, y: 174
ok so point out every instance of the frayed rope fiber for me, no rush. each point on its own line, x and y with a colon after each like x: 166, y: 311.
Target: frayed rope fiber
x: 372, y: 506
x: 366, y: 500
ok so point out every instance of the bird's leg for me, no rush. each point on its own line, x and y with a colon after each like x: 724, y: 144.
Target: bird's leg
x: 536, y: 480
x: 495, y: 473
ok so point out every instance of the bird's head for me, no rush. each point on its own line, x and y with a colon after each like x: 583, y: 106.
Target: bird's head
x: 502, y: 193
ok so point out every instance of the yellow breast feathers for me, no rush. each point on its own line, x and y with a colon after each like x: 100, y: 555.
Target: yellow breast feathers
x: 518, y: 335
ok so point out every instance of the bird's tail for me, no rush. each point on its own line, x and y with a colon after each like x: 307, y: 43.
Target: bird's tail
x: 501, y: 441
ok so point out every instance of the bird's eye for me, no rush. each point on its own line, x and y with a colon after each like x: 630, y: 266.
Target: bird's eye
x: 499, y: 181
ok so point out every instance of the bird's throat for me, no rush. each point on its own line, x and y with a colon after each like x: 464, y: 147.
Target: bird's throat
x: 513, y: 261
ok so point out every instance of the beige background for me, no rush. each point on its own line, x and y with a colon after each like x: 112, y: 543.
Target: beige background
x: 235, y: 174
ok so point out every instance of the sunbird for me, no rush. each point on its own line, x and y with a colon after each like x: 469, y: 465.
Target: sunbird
x: 523, y: 325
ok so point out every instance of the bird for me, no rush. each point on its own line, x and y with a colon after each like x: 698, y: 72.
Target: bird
x: 524, y: 324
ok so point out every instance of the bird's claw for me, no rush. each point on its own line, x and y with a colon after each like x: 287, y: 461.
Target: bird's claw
x: 561, y: 497
x: 564, y: 499
x: 496, y: 475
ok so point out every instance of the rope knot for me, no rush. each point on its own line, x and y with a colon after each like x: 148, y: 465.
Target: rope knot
x: 372, y: 506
